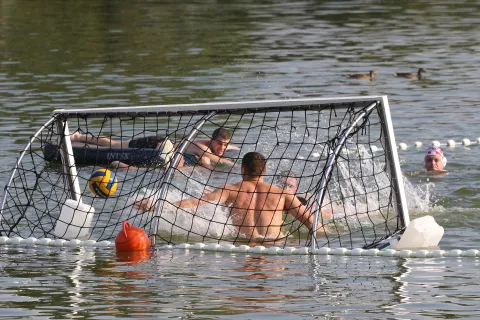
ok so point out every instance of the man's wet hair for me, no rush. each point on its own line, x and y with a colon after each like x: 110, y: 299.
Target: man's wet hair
x: 254, y: 164
x: 221, y: 133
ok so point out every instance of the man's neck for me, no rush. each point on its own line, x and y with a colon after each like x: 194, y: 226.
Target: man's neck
x: 252, y: 179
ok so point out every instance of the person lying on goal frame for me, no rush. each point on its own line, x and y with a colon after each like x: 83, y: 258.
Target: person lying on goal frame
x: 206, y: 152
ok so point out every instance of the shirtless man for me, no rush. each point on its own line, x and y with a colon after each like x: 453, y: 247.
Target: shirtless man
x: 256, y: 207
x: 209, y: 152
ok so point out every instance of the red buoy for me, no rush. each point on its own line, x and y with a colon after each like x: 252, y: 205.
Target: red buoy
x: 131, y: 238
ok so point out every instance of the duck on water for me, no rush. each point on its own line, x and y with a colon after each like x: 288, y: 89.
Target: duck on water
x: 369, y: 76
x: 417, y: 75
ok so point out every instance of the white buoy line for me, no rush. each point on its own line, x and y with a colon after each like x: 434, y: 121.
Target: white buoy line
x: 473, y: 253
x: 214, y: 247
x: 418, y: 144
x: 404, y: 146
x: 449, y: 143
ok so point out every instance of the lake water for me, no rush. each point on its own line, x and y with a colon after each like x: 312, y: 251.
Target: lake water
x: 103, y: 53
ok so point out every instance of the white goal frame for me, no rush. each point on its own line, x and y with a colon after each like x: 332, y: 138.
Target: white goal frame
x: 211, y: 109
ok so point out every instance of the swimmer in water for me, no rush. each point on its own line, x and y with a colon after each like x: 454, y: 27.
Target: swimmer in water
x: 435, y: 160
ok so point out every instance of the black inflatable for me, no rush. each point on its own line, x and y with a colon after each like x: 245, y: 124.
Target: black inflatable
x: 85, y: 154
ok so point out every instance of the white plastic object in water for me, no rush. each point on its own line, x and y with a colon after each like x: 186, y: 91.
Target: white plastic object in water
x: 423, y: 232
x: 166, y: 151
x: 436, y: 143
x: 418, y: 144
x: 466, y: 142
x: 451, y: 143
x: 74, y: 221
x: 403, y: 146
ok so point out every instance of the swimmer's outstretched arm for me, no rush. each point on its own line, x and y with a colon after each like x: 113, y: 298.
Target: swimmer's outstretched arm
x: 220, y: 195
x: 327, y: 214
x: 295, y: 207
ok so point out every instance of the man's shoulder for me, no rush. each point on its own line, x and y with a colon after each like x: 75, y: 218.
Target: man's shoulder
x: 233, y: 187
x: 272, y: 190
x: 201, y: 142
x: 198, y: 145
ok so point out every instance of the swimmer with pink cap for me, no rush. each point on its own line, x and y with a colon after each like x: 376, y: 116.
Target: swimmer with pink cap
x: 434, y: 159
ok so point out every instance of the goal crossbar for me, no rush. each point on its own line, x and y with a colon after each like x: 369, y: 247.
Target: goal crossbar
x: 218, y: 107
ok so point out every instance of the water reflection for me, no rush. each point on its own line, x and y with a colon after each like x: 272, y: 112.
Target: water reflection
x: 255, y: 291
x: 84, y: 282
x: 259, y: 267
x: 441, y: 280
x: 133, y: 257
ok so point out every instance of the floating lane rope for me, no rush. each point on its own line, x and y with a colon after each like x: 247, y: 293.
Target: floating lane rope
x: 418, y: 144
x: 450, y: 143
x: 214, y: 247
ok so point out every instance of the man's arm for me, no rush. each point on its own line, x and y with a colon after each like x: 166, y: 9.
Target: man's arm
x: 215, y: 159
x: 207, y: 156
x: 326, y: 213
x: 220, y: 194
x: 294, y: 207
x: 226, y: 161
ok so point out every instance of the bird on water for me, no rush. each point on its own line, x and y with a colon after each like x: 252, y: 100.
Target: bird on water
x: 369, y: 76
x: 417, y: 75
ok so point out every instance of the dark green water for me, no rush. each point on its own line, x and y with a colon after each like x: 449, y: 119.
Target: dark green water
x: 60, y: 54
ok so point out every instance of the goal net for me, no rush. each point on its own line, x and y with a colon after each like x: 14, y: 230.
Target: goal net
x: 332, y: 174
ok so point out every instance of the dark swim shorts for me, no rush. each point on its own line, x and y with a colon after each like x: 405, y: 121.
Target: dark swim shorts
x: 150, y: 142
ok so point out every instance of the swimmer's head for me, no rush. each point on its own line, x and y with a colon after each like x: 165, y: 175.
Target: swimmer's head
x: 220, y: 140
x: 286, y: 180
x: 434, y: 159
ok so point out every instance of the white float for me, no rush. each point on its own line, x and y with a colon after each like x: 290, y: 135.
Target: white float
x: 423, y: 232
x: 74, y: 221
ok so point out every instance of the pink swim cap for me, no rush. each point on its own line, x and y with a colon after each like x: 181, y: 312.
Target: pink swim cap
x: 436, y: 151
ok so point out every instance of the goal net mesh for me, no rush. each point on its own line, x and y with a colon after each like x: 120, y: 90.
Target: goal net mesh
x: 358, y: 204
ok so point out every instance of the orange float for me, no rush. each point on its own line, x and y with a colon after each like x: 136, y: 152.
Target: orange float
x: 131, y: 238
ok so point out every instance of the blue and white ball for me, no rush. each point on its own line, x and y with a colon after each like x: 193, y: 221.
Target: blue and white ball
x: 103, y: 183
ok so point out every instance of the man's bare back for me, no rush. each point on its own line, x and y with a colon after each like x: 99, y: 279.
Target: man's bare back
x: 256, y: 207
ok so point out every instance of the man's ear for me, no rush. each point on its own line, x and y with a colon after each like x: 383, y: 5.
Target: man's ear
x: 264, y: 170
